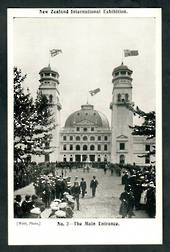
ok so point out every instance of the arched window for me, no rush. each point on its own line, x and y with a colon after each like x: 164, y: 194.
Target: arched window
x: 92, y: 147
x: 77, y: 147
x: 105, y: 147
x: 84, y: 147
x: 85, y: 138
x: 92, y: 138
x: 50, y: 98
x: 122, y: 159
x: 119, y: 97
x: 126, y: 97
x: 77, y: 138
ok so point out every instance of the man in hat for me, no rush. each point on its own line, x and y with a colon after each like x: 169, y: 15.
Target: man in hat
x: 18, y: 212
x: 83, y: 187
x: 93, y: 185
x: 75, y: 191
x: 26, y: 206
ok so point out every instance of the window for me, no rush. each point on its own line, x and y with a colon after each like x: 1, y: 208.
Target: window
x: 77, y: 138
x: 92, y: 138
x: 147, y: 147
x: 92, y: 148
x: 77, y: 147
x: 47, y: 74
x: 105, y: 147
x: 126, y: 97
x: 116, y: 74
x: 99, y: 159
x: 71, y: 138
x: 71, y: 147
x: 85, y: 147
x: 99, y: 147
x: 71, y: 159
x: 64, y: 159
x: 122, y: 146
x: 123, y: 72
x: 92, y: 129
x: 64, y: 138
x: 85, y: 138
x: 41, y: 75
x: 64, y: 147
x: 78, y: 129
x: 85, y: 129
x: 53, y: 75
x: 99, y: 138
x: 50, y: 98
x: 105, y: 138
x: 147, y: 160
x: 119, y: 97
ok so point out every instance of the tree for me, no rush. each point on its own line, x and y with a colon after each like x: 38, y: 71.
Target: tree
x: 147, y: 128
x: 44, y: 122
x: 33, y: 122
x: 23, y: 115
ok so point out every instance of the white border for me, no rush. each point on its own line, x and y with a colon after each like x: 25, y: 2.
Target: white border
x: 47, y: 231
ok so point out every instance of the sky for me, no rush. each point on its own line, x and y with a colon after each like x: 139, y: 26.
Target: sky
x: 92, y: 48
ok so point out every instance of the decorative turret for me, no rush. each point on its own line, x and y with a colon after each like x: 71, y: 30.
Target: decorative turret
x: 121, y: 117
x: 49, y: 84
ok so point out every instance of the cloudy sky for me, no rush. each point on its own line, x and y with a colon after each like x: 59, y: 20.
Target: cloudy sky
x: 92, y: 48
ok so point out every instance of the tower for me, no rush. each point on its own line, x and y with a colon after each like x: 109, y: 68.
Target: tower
x: 121, y: 116
x: 49, y: 87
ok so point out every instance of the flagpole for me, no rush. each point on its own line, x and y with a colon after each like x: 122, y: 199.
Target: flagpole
x: 122, y: 56
x: 49, y: 57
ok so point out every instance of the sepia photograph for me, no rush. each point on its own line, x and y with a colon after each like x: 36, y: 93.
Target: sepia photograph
x: 85, y: 101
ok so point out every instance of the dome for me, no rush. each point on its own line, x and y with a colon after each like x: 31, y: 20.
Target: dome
x: 121, y: 67
x: 88, y: 115
x: 47, y: 69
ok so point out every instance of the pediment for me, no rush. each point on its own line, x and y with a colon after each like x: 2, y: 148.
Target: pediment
x: 85, y: 122
x: 122, y: 137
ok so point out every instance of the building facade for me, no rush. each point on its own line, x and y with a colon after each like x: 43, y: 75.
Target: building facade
x: 87, y: 135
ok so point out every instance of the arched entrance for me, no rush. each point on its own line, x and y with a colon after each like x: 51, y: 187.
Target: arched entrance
x: 122, y: 159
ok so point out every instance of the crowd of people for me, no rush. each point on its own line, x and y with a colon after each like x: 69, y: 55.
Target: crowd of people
x: 139, y: 192
x: 54, y: 190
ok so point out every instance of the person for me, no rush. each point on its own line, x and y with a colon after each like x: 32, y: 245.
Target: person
x: 127, y: 203
x: 18, y: 212
x: 47, y: 195
x: 37, y: 202
x: 26, y: 206
x: 125, y: 179
x: 83, y: 187
x: 75, y: 191
x: 93, y: 186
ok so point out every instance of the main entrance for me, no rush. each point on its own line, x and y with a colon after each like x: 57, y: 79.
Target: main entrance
x: 78, y: 158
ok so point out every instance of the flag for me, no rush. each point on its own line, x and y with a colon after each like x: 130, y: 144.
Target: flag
x: 130, y: 53
x: 95, y: 91
x: 55, y: 52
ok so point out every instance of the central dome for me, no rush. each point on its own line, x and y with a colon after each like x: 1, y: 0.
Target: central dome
x: 88, y: 115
